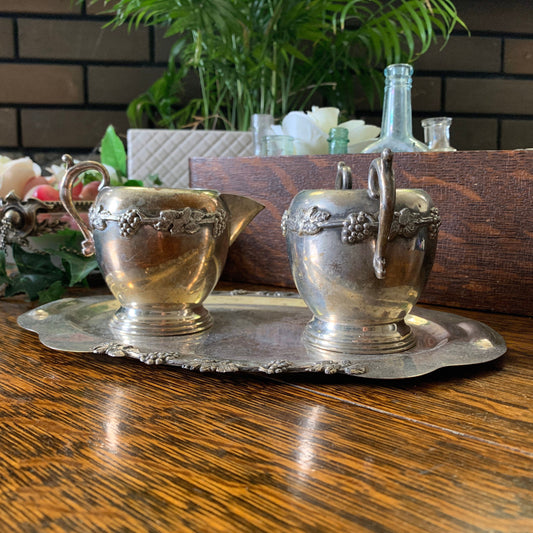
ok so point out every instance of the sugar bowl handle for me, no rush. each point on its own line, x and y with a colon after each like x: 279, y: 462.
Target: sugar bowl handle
x: 381, y: 184
x: 65, y: 194
x: 343, y: 180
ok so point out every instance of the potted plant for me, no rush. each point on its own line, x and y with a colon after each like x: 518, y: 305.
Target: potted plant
x: 274, y: 56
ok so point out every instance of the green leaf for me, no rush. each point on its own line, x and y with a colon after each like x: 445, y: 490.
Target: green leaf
x: 32, y: 284
x: 154, y: 179
x: 65, y: 238
x: 77, y: 267
x: 113, y: 152
x: 54, y: 292
x: 36, y: 273
x: 3, y: 268
x: 90, y: 175
x: 133, y: 183
x: 32, y: 263
x: 38, y: 276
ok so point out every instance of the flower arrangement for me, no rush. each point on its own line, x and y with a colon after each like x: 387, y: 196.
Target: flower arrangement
x: 44, y: 266
x: 310, y: 130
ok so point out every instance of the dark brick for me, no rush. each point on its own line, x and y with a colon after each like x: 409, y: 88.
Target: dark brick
x: 8, y: 128
x: 425, y: 94
x: 518, y: 56
x: 99, y: 8
x: 474, y: 133
x: 40, y: 84
x: 81, y: 39
x: 496, y: 96
x: 192, y: 87
x: 7, y: 45
x: 512, y: 16
x: 40, y: 6
x: 120, y: 85
x: 517, y: 134
x: 68, y: 128
x: 462, y: 53
x: 163, y: 44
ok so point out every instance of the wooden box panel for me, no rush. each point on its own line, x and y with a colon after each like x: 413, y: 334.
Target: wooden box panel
x: 485, y: 251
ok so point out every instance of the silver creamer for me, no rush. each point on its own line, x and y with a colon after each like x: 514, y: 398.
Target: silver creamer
x: 161, y: 251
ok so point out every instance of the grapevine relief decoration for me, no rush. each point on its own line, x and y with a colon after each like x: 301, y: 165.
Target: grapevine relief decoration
x: 186, y: 220
x: 359, y: 226
x: 204, y: 364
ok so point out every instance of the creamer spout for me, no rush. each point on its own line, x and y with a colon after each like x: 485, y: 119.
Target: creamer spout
x: 242, y: 212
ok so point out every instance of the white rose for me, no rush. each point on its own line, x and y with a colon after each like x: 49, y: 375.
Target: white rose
x: 309, y: 138
x: 15, y: 173
x: 310, y: 130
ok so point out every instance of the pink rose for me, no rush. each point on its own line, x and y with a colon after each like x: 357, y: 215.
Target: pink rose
x: 15, y: 173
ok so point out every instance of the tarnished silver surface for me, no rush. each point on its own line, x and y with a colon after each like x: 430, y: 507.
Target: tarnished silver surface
x: 161, y: 251
x: 360, y: 259
x: 261, y: 332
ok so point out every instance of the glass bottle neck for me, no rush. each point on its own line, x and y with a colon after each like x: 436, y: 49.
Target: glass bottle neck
x: 397, y: 120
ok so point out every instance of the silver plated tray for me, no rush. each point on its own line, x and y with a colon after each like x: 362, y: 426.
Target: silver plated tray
x: 261, y: 332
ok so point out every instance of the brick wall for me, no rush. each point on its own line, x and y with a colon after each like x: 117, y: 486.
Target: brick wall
x: 63, y: 78
x: 485, y: 81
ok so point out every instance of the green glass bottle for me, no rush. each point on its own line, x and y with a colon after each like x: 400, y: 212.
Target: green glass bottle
x: 338, y: 141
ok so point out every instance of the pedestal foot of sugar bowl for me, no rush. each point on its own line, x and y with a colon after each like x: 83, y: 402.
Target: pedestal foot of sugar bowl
x: 358, y: 340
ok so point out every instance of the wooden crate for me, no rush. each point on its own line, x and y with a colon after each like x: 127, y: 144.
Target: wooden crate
x: 485, y: 251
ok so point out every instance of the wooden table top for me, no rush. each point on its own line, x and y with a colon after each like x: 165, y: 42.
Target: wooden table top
x: 98, y: 444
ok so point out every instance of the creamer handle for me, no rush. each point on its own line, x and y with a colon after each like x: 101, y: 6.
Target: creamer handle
x: 65, y: 194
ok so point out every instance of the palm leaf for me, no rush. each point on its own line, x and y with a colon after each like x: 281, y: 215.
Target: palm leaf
x: 273, y: 55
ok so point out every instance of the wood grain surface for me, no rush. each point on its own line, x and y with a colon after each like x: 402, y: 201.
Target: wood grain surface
x: 485, y: 251
x: 99, y: 444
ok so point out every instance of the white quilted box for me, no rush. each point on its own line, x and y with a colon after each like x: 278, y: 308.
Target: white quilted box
x: 167, y: 152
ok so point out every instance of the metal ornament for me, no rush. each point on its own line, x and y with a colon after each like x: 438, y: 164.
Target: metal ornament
x: 360, y: 259
x: 20, y: 219
x: 186, y: 220
x: 359, y: 226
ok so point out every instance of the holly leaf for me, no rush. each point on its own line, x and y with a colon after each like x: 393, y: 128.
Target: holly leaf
x: 112, y: 151
x: 32, y: 284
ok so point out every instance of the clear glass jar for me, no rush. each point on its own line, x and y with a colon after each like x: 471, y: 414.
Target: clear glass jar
x: 396, y: 123
x: 437, y: 134
x: 338, y: 141
x: 260, y: 126
x: 274, y: 145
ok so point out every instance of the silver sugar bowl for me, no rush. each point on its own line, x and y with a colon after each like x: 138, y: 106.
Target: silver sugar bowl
x: 360, y: 259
